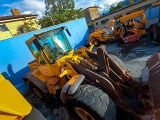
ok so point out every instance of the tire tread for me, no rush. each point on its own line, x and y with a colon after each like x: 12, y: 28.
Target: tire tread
x: 95, y: 99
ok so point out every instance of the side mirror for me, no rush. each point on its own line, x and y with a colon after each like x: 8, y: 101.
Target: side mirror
x: 66, y: 30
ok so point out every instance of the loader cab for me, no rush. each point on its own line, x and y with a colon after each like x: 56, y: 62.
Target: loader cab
x: 49, y: 46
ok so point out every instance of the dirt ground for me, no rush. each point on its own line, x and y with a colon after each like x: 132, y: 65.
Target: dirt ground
x: 134, y: 56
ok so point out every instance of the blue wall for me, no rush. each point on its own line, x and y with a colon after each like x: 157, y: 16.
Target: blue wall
x: 14, y: 54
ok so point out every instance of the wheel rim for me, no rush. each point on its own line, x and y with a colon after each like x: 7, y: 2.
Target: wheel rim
x: 37, y: 92
x: 95, y: 42
x: 84, y: 115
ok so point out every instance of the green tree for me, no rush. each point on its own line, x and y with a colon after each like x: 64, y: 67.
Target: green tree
x: 116, y: 6
x: 119, y: 5
x: 130, y: 2
x: 112, y: 8
x: 59, y: 11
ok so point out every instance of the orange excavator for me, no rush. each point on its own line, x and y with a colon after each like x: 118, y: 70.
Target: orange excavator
x: 128, y: 28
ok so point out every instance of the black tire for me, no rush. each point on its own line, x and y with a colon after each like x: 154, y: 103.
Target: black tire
x: 157, y: 36
x: 34, y: 115
x: 45, y: 97
x: 94, y: 101
x: 151, y: 30
x: 118, y: 61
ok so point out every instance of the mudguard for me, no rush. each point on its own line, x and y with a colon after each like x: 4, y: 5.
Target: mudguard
x: 71, y: 86
x: 29, y: 76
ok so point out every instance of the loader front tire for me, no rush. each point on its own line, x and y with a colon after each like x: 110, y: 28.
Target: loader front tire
x: 91, y: 103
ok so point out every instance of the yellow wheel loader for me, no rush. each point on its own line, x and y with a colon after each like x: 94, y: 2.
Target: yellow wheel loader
x: 102, y: 35
x: 92, y: 84
x: 128, y: 28
x: 13, y: 106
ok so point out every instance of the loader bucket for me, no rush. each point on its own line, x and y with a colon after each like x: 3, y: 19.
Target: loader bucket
x: 153, y: 65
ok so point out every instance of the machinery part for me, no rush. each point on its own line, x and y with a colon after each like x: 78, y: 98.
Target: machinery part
x: 72, y: 69
x: 132, y: 38
x: 117, y: 60
x: 71, y: 86
x: 123, y: 27
x: 88, y: 65
x: 152, y: 29
x: 46, y: 97
x: 30, y: 77
x: 84, y: 115
x: 155, y: 32
x: 96, y: 42
x: 157, y: 36
x: 93, y: 41
x: 122, y: 31
x: 102, y: 82
x: 134, y: 15
x: 153, y: 71
x: 12, y: 104
x: 91, y: 103
x: 116, y: 80
x: 34, y: 115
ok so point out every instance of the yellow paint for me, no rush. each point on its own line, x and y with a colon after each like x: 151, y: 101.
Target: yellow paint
x: 46, y: 72
x: 51, y: 82
x: 51, y: 74
x: 73, y: 80
x: 134, y: 15
x: 100, y: 34
x: 65, y: 72
x: 12, y: 104
x: 33, y: 64
x: 14, y: 25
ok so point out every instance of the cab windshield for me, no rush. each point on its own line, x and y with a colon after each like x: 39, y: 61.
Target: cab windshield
x: 54, y: 45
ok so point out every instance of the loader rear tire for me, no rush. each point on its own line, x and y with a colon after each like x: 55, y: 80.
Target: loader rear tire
x: 91, y: 103
x: 46, y: 97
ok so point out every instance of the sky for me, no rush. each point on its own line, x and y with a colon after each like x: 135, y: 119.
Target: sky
x: 38, y: 6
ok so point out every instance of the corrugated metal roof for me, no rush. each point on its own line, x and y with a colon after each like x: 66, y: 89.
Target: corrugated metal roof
x: 15, y: 17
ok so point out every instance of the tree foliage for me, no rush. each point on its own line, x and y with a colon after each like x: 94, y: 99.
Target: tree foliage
x: 130, y: 2
x: 27, y: 27
x: 59, y: 11
x: 116, y: 6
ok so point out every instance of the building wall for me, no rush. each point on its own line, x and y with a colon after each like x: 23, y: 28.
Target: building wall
x: 15, y: 55
x: 146, y: 5
x: 94, y: 13
x: 13, y: 27
x: 91, y: 13
x: 86, y: 14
